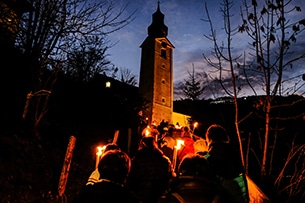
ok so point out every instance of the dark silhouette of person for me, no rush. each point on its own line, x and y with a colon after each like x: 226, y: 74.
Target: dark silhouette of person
x: 113, y: 167
x: 95, y: 175
x: 150, y: 171
x: 225, y: 162
x: 195, y: 183
x: 167, y: 144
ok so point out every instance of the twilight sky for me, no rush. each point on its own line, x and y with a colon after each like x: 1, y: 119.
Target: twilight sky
x: 186, y: 31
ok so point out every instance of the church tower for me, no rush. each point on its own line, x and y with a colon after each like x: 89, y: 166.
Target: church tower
x: 156, y: 71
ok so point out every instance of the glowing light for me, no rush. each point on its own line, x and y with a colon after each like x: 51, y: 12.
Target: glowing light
x: 176, y: 148
x: 100, y: 150
x: 179, y: 143
x: 108, y: 84
x: 99, y: 153
x: 147, y: 132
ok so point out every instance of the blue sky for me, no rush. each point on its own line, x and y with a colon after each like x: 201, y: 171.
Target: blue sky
x: 186, y: 31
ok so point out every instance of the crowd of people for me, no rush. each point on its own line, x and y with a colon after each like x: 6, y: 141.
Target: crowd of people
x: 206, y: 170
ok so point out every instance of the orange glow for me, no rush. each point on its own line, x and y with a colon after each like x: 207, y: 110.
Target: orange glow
x: 99, y: 153
x: 100, y: 150
x: 147, y: 131
x: 179, y: 143
x: 195, y: 125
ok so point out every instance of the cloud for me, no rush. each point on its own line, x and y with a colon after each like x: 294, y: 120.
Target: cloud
x: 186, y: 31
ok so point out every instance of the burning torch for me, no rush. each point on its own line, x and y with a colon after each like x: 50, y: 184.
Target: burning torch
x: 176, y: 148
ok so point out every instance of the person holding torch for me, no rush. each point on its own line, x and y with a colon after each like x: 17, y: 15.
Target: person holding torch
x: 188, y: 144
x: 113, y: 168
x: 101, y: 150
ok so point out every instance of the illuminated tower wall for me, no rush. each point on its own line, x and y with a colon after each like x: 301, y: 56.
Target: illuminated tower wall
x: 156, y: 71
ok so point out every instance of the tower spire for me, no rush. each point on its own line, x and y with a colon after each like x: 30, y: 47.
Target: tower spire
x: 157, y: 28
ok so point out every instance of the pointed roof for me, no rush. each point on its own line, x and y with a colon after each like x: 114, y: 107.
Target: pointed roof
x: 157, y: 28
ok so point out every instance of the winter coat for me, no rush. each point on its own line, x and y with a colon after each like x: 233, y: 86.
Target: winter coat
x: 188, y: 148
x: 150, y: 173
x: 106, y: 191
x: 193, y: 189
x: 226, y: 163
x: 167, y: 145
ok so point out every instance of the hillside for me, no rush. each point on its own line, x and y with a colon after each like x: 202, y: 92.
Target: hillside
x: 31, y: 166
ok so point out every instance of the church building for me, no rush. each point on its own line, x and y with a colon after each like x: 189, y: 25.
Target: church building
x: 156, y: 74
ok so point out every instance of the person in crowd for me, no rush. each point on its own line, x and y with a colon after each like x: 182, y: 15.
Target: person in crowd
x: 113, y: 168
x: 151, y: 131
x: 150, y: 171
x: 201, y: 147
x: 188, y: 146
x: 226, y: 163
x: 167, y: 144
x: 161, y: 136
x: 95, y: 175
x: 195, y: 183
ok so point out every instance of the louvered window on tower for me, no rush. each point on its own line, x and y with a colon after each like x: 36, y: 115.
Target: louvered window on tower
x: 163, y: 53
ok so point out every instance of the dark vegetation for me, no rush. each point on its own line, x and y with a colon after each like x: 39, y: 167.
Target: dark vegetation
x: 31, y: 165
x: 31, y: 162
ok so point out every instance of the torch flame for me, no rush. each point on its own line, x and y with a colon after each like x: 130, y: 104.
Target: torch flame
x: 179, y: 143
x: 100, y: 150
x: 147, y: 131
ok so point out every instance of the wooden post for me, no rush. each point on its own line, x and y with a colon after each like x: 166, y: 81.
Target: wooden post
x: 66, y: 166
x: 115, y: 137
x: 174, y: 162
x: 129, y: 141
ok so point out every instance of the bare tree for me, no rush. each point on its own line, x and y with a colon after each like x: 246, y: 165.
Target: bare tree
x: 224, y: 61
x: 126, y: 76
x: 52, y: 27
x: 273, y: 37
x: 263, y: 65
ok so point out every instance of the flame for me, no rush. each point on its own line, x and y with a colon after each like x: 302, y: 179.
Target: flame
x: 179, y: 143
x: 100, y: 150
x: 147, y: 133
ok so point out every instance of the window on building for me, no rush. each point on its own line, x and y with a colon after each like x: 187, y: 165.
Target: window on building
x: 163, y: 81
x: 108, y: 84
x: 163, y: 53
x: 163, y: 100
